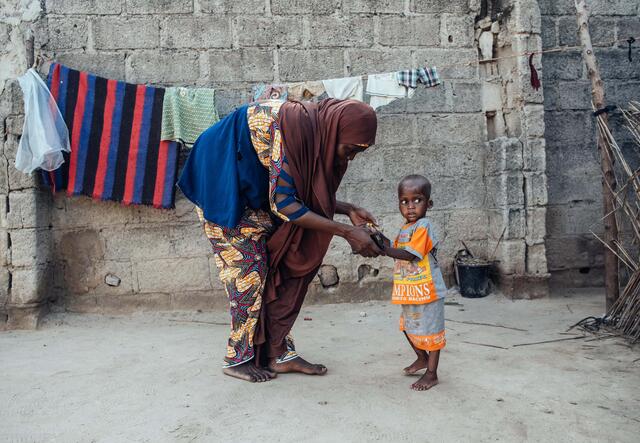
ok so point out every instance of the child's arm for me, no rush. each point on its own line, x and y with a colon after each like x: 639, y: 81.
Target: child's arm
x: 399, y: 254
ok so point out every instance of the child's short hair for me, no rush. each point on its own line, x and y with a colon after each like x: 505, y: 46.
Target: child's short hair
x: 420, y: 181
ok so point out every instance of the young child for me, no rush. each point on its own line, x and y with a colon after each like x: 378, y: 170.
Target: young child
x: 417, y: 281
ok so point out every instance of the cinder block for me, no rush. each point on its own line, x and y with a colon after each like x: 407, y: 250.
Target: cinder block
x: 173, y: 275
x: 557, y: 7
x: 164, y: 68
x: 196, y: 32
x: 569, y: 128
x: 373, y: 6
x: 271, y: 32
x: 189, y: 240
x: 614, y: 64
x: 159, y: 6
x: 536, y: 225
x: 534, y: 120
x: 368, y: 166
x: 67, y: 33
x: 104, y: 64
x: 466, y: 224
x: 537, y: 259
x: 628, y: 27
x: 30, y: 247
x: 447, y: 193
x: 574, y: 252
x: 28, y: 209
x: 613, y: 7
x: 438, y: 6
x: 456, y: 31
x: 316, y: 7
x: 574, y: 188
x: 409, y: 31
x: 574, y: 95
x: 534, y: 155
x: 126, y: 33
x: 30, y: 285
x: 549, y: 35
x: 452, y: 129
x: 379, y: 198
x: 83, y: 212
x: 505, y: 190
x: 250, y: 65
x: 535, y: 188
x: 313, y: 64
x: 19, y: 181
x: 464, y: 59
x: 511, y: 221
x: 97, y: 7
x: 372, y: 61
x: 341, y: 32
x: 466, y: 97
x: 511, y: 256
x: 137, y: 242
x: 226, y: 101
x: 436, y: 99
x: 504, y: 154
x: 602, y: 30
x: 233, y: 6
x: 395, y: 130
x: 574, y: 218
x: 562, y: 66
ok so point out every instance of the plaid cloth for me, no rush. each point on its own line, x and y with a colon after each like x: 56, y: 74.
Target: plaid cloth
x: 411, y: 77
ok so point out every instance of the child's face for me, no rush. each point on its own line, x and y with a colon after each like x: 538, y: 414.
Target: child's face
x: 413, y: 203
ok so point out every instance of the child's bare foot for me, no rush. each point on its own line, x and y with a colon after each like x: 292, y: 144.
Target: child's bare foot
x: 297, y: 365
x: 249, y: 372
x: 427, y: 381
x: 420, y: 363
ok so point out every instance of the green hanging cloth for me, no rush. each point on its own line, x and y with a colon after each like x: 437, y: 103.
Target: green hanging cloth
x: 187, y: 113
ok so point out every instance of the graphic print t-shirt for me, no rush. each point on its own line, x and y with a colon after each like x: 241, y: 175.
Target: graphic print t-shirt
x: 419, y: 281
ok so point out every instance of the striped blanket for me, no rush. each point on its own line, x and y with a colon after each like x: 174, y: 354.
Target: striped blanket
x: 116, y: 151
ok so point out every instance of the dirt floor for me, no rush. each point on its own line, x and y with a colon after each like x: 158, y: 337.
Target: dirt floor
x: 156, y: 377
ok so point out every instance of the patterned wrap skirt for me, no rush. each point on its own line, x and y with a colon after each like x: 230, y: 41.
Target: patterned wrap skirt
x: 424, y: 324
x: 241, y: 258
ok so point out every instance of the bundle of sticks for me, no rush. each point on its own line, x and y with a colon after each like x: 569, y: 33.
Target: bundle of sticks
x: 624, y: 315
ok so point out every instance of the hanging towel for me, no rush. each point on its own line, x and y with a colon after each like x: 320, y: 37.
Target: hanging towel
x: 116, y: 152
x: 344, y: 88
x: 187, y: 113
x: 410, y: 77
x: 44, y: 134
x: 269, y: 92
x: 384, y: 88
x: 305, y: 90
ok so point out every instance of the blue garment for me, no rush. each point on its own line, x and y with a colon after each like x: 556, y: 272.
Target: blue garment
x: 223, y: 174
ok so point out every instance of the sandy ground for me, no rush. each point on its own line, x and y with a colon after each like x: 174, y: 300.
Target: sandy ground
x: 156, y: 378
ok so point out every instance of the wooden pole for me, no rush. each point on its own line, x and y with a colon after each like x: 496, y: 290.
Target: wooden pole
x: 606, y: 158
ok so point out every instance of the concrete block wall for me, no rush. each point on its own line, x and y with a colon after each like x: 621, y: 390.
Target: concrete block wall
x: 575, y: 257
x: 110, y: 258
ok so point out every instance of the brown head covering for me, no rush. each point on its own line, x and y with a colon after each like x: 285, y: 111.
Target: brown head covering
x: 311, y: 134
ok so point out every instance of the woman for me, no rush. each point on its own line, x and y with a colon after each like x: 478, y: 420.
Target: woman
x: 264, y: 180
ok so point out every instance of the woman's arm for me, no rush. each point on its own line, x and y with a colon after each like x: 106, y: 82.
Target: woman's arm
x: 400, y: 254
x: 359, y: 216
x: 358, y: 237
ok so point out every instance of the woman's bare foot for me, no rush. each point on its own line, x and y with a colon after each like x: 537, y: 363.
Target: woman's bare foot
x: 420, y: 363
x: 249, y: 372
x: 297, y: 365
x: 427, y: 381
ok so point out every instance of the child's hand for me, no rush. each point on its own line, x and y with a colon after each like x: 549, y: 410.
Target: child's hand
x: 360, y: 216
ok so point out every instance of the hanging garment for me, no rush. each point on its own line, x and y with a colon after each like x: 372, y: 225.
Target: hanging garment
x: 410, y: 77
x: 305, y: 90
x: 269, y: 92
x: 384, y: 89
x: 187, y: 113
x: 44, y: 134
x: 345, y: 88
x: 114, y: 128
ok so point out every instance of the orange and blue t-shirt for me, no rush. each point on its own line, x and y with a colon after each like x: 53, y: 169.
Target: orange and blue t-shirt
x: 419, y: 281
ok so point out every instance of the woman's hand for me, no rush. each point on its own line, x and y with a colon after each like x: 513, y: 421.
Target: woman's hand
x: 360, y: 216
x: 361, y: 242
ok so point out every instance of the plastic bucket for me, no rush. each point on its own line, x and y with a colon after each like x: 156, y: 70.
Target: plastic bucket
x: 473, y: 279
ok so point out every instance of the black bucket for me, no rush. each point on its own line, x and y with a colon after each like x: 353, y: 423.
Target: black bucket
x: 473, y: 278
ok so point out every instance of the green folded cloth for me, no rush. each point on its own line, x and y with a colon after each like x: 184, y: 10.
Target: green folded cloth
x: 187, y: 113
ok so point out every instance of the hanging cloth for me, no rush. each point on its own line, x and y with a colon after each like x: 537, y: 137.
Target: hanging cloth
x: 305, y: 90
x: 187, y: 113
x: 384, y: 89
x: 44, y: 134
x: 269, y: 92
x: 114, y: 128
x: 427, y: 76
x: 344, y: 88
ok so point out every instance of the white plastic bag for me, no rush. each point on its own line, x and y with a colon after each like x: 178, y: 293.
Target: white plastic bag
x: 44, y: 134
